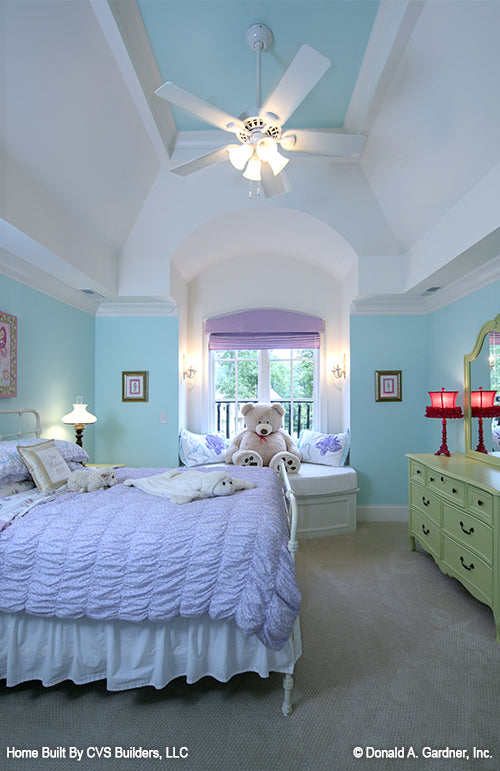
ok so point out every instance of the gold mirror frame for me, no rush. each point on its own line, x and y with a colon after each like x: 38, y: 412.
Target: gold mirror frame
x: 491, y: 460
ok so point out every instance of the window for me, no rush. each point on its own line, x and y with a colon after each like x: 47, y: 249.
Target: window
x: 264, y: 355
x: 288, y: 376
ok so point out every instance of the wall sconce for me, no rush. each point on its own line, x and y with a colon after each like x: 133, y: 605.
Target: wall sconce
x: 79, y: 418
x: 339, y: 371
x: 188, y: 372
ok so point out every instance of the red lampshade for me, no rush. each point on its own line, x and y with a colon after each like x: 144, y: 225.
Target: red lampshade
x: 443, y: 405
x: 483, y: 404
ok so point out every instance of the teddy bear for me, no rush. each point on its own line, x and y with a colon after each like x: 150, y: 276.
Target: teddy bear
x: 184, y: 486
x: 263, y: 442
x: 87, y: 480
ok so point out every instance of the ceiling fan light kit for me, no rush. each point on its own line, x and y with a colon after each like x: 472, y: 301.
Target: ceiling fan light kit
x: 259, y: 131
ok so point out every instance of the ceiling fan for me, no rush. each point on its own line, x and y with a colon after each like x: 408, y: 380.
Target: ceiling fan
x: 260, y: 131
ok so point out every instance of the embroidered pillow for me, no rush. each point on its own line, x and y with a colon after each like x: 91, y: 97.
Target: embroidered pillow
x: 46, y: 465
x: 13, y: 468
x: 326, y: 449
x: 200, y: 449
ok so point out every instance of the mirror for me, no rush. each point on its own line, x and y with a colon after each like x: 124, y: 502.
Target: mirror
x: 482, y: 371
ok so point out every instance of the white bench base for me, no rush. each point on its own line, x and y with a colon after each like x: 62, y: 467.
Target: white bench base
x: 326, y: 500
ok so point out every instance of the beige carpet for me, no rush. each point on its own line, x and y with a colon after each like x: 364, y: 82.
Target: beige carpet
x: 397, y: 657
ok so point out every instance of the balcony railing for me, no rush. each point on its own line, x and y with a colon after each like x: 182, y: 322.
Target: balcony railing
x: 298, y: 415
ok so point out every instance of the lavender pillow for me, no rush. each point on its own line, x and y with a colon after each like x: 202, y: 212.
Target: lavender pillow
x: 14, y: 469
x: 200, y: 449
x: 326, y: 449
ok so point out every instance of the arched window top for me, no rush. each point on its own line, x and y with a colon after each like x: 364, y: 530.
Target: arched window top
x: 264, y: 328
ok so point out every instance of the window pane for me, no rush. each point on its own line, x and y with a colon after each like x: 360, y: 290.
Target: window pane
x: 247, y: 354
x: 280, y: 353
x: 303, y: 377
x: 281, y: 380
x: 248, y: 375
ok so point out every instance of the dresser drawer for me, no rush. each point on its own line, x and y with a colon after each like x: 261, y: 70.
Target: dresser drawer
x: 417, y: 471
x: 469, y: 531
x: 471, y: 571
x: 480, y: 502
x: 424, y: 500
x: 447, y: 486
x: 426, y: 531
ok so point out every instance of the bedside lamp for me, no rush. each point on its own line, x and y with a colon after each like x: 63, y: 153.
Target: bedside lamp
x: 79, y: 417
x: 443, y: 406
x: 482, y: 406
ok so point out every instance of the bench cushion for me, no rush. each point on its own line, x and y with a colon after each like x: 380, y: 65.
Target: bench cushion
x: 315, y: 479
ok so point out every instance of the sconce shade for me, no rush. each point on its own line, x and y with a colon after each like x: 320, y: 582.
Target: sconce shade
x: 443, y: 405
x: 483, y: 404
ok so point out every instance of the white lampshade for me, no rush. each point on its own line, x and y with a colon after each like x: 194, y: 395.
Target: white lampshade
x: 267, y: 150
x: 252, y: 170
x: 79, y: 415
x: 239, y: 155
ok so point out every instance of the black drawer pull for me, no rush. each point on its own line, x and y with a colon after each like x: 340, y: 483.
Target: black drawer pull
x: 426, y: 503
x: 467, y: 532
x: 418, y: 471
x: 431, y: 479
x: 480, y: 503
x: 426, y: 532
x: 467, y: 567
x: 442, y: 479
x: 453, y: 490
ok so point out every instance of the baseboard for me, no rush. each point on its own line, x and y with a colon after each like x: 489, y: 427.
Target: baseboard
x: 384, y: 513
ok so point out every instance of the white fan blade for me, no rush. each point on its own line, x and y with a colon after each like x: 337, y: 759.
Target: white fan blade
x: 323, y: 142
x: 203, y: 110
x: 304, y: 72
x: 216, y: 156
x: 273, y: 185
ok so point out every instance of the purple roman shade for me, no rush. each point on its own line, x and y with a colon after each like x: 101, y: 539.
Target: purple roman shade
x: 265, y: 328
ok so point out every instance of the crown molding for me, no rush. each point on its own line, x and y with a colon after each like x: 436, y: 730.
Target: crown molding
x: 137, y: 306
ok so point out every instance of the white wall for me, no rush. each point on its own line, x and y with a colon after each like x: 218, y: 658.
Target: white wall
x: 264, y: 281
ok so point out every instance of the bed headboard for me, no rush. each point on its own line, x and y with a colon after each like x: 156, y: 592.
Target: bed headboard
x: 24, y: 424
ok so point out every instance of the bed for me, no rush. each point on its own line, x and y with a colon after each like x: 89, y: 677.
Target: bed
x: 124, y: 586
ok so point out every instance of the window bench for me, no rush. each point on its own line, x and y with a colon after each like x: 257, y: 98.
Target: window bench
x: 326, y: 499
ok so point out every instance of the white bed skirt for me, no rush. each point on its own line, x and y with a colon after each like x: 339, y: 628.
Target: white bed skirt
x: 132, y: 655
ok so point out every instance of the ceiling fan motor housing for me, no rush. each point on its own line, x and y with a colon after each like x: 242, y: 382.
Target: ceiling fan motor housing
x: 254, y: 125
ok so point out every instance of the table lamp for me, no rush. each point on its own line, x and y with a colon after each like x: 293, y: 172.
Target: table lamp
x: 79, y: 417
x: 482, y: 406
x: 443, y: 406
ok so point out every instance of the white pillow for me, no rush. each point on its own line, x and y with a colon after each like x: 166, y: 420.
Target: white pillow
x: 13, y: 469
x: 326, y: 449
x: 46, y: 465
x: 200, y: 449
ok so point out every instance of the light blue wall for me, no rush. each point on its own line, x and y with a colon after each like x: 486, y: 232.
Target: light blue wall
x: 55, y: 358
x: 382, y: 432
x: 131, y: 433
x: 429, y: 350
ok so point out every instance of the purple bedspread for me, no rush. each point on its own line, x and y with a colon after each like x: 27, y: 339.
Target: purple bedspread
x: 124, y: 554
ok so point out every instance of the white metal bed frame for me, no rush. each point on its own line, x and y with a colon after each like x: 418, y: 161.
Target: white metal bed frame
x: 290, y: 507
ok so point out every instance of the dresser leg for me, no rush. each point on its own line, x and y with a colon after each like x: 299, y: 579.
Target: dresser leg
x: 497, y: 625
x: 412, y: 543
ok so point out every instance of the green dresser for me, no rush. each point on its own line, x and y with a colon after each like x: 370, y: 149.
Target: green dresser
x: 455, y: 515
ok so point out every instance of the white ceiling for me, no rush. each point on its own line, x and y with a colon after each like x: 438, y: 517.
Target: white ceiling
x: 86, y: 191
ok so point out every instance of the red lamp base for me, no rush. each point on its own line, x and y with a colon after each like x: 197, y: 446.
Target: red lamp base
x: 443, y: 450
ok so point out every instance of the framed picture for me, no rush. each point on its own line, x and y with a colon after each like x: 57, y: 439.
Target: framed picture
x: 388, y: 386
x: 135, y: 387
x: 8, y: 354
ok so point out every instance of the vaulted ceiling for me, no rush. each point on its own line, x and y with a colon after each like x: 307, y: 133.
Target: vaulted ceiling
x: 87, y: 196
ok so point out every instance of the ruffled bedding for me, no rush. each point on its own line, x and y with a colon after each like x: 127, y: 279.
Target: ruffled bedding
x: 124, y: 554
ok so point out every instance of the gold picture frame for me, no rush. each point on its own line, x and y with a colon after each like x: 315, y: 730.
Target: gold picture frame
x: 135, y: 386
x: 8, y: 355
x: 388, y: 385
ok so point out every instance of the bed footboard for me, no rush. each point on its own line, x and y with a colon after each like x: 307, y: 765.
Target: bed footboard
x: 291, y: 510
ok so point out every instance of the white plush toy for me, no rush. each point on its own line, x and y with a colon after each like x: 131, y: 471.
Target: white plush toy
x: 186, y: 486
x: 87, y: 480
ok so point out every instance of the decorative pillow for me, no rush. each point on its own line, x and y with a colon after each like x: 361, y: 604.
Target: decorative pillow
x: 13, y: 469
x: 46, y: 465
x: 200, y: 449
x: 326, y: 449
x: 12, y: 488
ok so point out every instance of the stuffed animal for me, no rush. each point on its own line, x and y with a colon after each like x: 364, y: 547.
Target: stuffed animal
x: 87, y: 480
x: 263, y: 442
x: 191, y: 485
